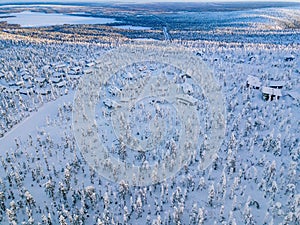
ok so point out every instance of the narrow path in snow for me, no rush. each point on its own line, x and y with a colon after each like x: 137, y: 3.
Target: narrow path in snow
x: 166, y: 34
x: 31, y: 123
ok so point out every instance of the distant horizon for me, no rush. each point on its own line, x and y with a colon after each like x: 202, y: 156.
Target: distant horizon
x: 143, y: 1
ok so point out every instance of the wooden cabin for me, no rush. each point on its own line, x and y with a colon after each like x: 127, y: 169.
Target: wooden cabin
x: 253, y: 82
x: 270, y: 94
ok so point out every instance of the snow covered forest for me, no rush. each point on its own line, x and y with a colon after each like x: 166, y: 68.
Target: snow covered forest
x: 253, y: 178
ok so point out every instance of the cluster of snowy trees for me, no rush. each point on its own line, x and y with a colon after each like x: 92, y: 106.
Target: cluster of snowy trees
x: 253, y: 179
x: 34, y: 73
x: 45, y: 181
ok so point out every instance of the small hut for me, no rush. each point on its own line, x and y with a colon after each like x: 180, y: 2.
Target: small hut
x: 271, y: 93
x: 289, y: 58
x: 253, y: 82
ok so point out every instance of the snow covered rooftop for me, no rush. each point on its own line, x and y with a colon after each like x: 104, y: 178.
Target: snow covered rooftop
x: 24, y: 91
x: 187, y: 99
x: 110, y: 103
x: 88, y: 71
x: 77, y: 68
x: 23, y: 72
x: 60, y: 66
x: 42, y: 91
x: 276, y: 84
x: 271, y: 91
x: 20, y: 83
x: 55, y: 79
x: 40, y: 79
x: 61, y: 84
x: 253, y: 81
x: 57, y: 74
x: 187, y: 88
x: 73, y: 76
x: 90, y: 64
x: 289, y: 58
x: 27, y: 77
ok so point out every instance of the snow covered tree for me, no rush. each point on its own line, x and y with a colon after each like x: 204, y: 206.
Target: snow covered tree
x: 270, y: 172
x: 193, y: 214
x: 157, y: 221
x: 288, y: 219
x: 223, y: 185
x: 235, y: 185
x: 201, y: 216
x: 273, y: 190
x: 231, y: 161
x: 248, y: 217
x: 126, y: 215
x: 2, y: 201
x: 106, y: 200
x: 29, y: 199
x: 202, y: 184
x: 123, y: 189
x: 296, y: 207
x: 211, y: 194
x: 49, y: 188
x: 138, y: 206
x: 30, y: 218
x: 277, y: 146
x: 234, y: 203
x: 292, y: 172
x: 176, y: 216
x: 12, y: 213
x: 231, y: 220
x: 222, y: 217
x: 62, y: 220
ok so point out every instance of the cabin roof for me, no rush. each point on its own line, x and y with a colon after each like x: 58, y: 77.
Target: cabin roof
x: 254, y: 81
x: 187, y: 98
x: 271, y: 91
x: 276, y: 83
x: 40, y: 79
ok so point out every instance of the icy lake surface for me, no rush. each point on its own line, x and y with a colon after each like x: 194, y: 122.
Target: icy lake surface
x: 37, y: 19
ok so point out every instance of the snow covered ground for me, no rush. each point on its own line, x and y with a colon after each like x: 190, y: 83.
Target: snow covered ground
x: 254, y: 179
x: 45, y: 179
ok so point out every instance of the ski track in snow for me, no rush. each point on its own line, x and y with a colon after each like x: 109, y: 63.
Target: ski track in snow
x: 32, y: 123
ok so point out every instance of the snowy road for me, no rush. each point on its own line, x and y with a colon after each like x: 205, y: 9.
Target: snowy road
x: 166, y: 34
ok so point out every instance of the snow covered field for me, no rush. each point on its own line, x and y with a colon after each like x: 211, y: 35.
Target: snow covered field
x: 253, y: 178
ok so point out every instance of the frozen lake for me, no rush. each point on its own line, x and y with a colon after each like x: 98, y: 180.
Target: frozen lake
x: 37, y: 19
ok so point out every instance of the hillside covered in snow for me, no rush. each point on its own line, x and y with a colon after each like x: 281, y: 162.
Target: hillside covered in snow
x: 253, y: 178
